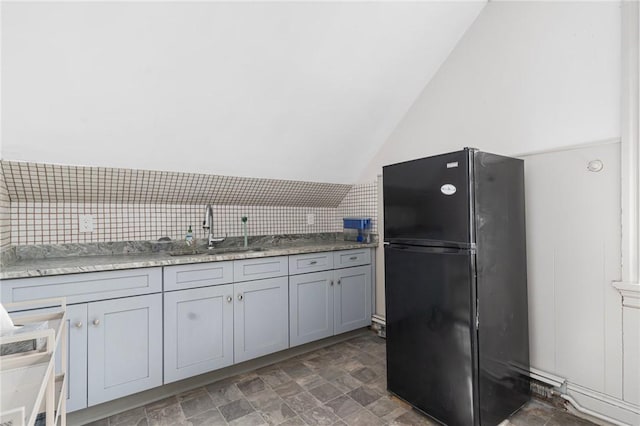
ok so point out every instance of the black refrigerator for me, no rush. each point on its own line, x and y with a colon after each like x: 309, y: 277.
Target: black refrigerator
x: 456, y: 286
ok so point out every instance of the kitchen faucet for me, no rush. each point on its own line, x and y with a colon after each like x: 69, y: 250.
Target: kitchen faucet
x: 207, y: 224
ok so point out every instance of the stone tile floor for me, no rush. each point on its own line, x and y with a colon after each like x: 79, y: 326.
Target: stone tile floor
x: 343, y: 384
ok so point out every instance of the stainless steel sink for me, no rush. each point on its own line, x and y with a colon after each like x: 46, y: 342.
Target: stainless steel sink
x: 215, y: 251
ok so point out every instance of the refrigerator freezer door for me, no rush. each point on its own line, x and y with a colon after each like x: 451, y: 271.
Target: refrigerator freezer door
x: 426, y: 201
x: 430, y: 354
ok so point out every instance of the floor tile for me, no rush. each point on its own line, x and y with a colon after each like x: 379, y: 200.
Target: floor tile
x: 330, y: 373
x: 325, y: 392
x: 296, y: 369
x: 343, y: 406
x: 364, y: 374
x: 387, y: 408
x: 200, y: 403
x: 311, y: 381
x: 223, y: 392
x: 251, y: 419
x: 317, y: 362
x: 207, y: 418
x: 251, y: 386
x: 363, y: 417
x: 351, y: 365
x: 274, y: 376
x: 364, y: 395
x: 412, y: 418
x: 296, y: 421
x: 346, y: 383
x: 277, y: 413
x: 367, y: 359
x: 235, y: 409
x: 288, y: 389
x: 167, y: 416
x: 302, y: 402
x: 319, y: 416
x: 264, y: 398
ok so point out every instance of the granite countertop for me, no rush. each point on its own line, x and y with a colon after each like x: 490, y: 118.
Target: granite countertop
x: 77, y: 258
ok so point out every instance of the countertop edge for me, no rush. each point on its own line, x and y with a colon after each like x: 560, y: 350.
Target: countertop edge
x: 181, y: 260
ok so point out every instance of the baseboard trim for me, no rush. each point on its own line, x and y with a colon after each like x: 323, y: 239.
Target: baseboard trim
x: 601, y: 406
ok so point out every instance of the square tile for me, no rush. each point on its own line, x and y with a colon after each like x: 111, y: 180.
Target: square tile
x: 364, y: 395
x: 235, y: 409
x: 325, y: 392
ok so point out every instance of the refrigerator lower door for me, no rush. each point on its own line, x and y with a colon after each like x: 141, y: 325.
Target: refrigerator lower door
x: 429, y: 311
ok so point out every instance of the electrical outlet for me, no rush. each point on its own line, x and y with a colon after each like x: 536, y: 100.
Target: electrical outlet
x: 86, y: 222
x: 311, y: 219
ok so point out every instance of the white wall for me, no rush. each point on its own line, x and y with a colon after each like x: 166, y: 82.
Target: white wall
x: 526, y: 76
x: 278, y: 90
x: 573, y: 257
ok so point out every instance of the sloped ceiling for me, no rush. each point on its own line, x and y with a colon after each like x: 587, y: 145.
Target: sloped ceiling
x: 305, y: 91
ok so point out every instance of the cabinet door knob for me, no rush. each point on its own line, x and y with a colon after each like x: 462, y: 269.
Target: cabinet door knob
x: 79, y: 324
x: 96, y: 322
x: 331, y: 282
x: 240, y: 297
x: 339, y: 282
x: 229, y: 299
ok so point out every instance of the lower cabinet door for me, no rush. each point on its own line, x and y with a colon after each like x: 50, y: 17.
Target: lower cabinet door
x: 310, y: 307
x: 76, y: 357
x: 125, y: 347
x: 261, y: 318
x: 198, y: 331
x: 352, y: 298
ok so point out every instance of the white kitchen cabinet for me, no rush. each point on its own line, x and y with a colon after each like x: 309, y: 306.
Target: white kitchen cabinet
x: 261, y: 320
x: 311, y: 304
x: 198, y: 331
x: 352, y: 298
x: 322, y: 304
x: 124, y: 347
x: 330, y: 302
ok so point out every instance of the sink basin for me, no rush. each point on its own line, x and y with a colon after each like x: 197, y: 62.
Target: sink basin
x: 214, y: 251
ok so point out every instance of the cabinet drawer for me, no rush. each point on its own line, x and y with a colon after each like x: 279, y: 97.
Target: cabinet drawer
x: 313, y: 262
x: 257, y: 269
x: 87, y: 287
x: 348, y: 258
x: 199, y: 275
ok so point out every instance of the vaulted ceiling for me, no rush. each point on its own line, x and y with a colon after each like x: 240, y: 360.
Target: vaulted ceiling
x: 307, y: 90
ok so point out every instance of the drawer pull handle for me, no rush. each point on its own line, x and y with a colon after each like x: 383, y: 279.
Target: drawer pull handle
x: 96, y: 322
x: 229, y: 299
x: 313, y: 262
x: 240, y: 297
x: 353, y: 258
x: 79, y: 324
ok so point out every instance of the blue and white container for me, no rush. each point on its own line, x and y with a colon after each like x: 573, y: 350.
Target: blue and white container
x: 357, y: 229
